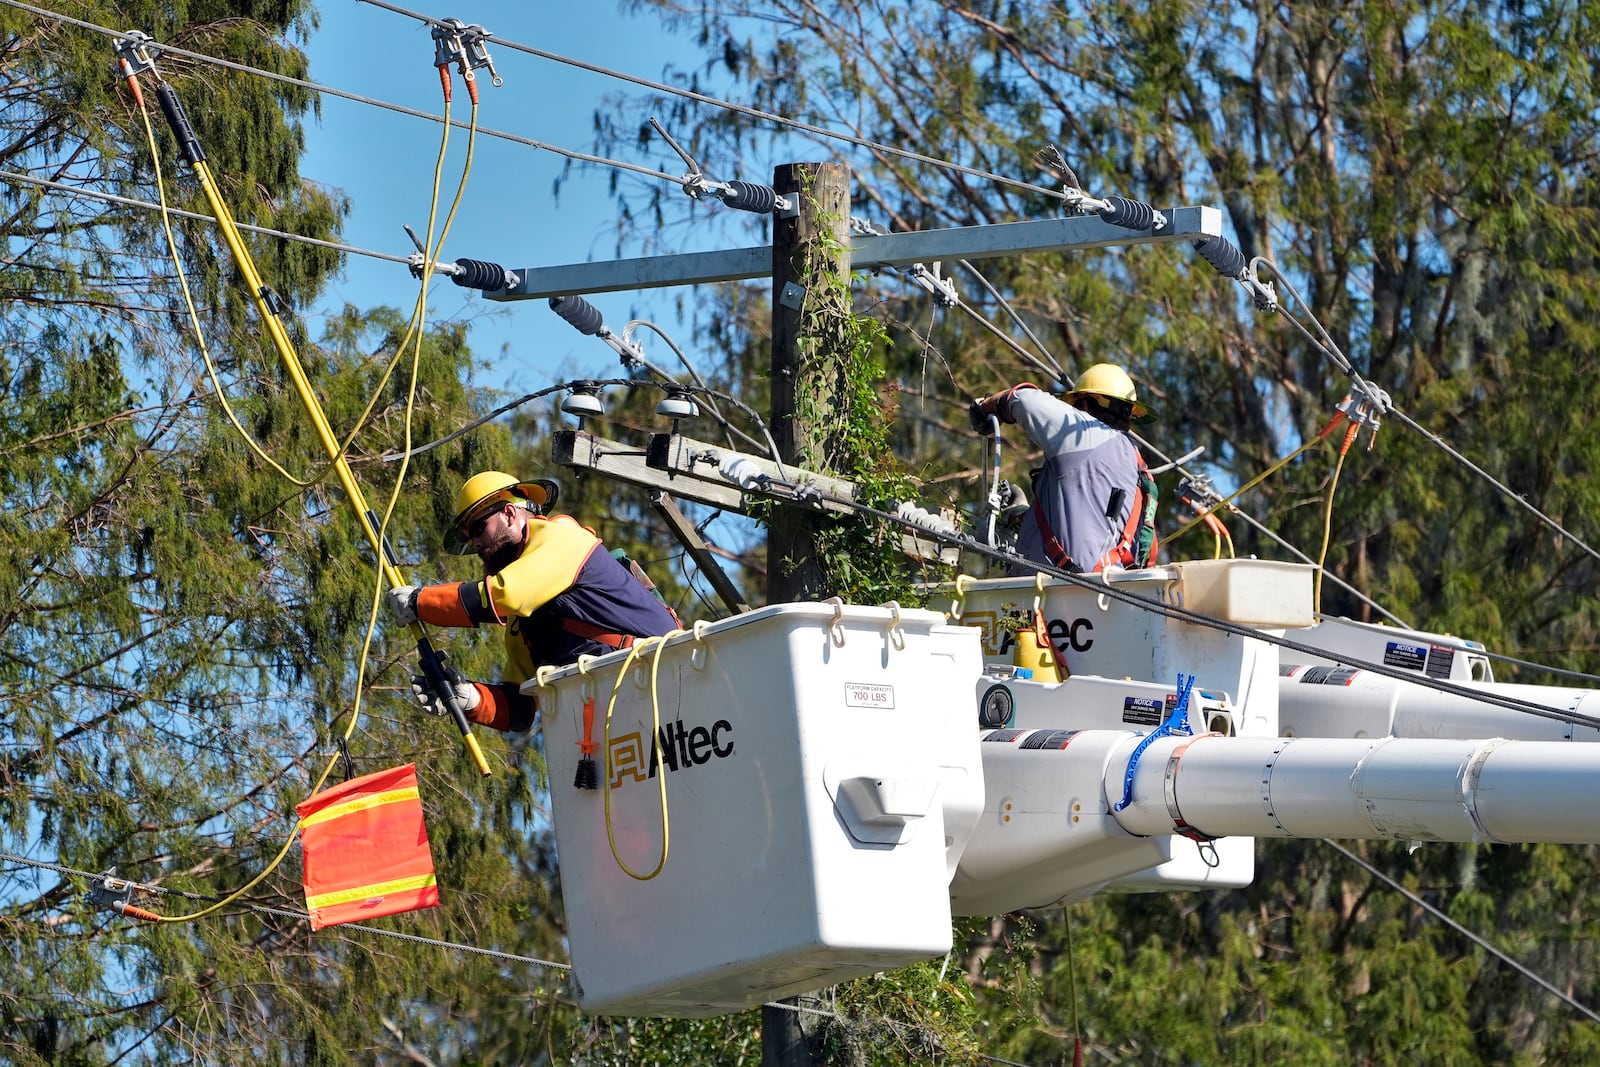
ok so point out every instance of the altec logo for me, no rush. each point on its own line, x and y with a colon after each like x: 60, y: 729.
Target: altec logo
x: 679, y: 747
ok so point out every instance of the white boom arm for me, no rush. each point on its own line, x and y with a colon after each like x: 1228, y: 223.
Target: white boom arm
x: 1051, y: 829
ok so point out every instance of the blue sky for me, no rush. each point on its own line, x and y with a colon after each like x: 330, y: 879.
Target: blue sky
x: 384, y: 162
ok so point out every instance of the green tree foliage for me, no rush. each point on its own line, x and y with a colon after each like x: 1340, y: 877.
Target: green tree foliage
x: 181, y: 627
x: 1424, y: 176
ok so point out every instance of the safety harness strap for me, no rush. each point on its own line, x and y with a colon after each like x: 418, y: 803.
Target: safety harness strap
x: 590, y: 632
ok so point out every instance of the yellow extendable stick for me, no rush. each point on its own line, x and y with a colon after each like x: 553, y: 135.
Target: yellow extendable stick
x: 178, y: 120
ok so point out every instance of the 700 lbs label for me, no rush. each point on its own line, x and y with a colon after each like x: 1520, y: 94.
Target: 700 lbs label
x: 859, y: 695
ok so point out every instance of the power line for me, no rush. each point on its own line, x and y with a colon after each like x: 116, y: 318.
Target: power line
x: 1326, y: 346
x: 16, y: 177
x: 1055, y: 371
x: 742, y: 109
x: 290, y: 914
x: 1462, y: 930
x: 1339, y: 359
x: 414, y: 938
x: 1111, y: 591
x: 487, y: 131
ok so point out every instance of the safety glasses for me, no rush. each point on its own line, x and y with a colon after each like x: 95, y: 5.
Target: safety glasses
x: 470, y: 531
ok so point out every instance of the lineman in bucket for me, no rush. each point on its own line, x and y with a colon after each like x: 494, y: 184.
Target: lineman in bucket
x: 549, y: 581
x: 1094, y: 501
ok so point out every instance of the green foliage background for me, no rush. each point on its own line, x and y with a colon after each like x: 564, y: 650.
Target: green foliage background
x: 178, y: 625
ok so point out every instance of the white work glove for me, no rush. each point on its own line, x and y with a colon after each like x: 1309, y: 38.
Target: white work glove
x: 428, y: 701
x: 741, y: 471
x: 403, y: 604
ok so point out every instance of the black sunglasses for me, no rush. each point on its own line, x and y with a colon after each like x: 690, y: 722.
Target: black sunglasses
x: 472, y: 530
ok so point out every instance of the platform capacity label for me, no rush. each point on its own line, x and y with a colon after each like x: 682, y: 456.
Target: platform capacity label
x: 861, y: 695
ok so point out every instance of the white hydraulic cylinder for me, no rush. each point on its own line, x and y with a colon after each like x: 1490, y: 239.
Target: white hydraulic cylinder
x: 1396, y: 788
x: 1326, y: 701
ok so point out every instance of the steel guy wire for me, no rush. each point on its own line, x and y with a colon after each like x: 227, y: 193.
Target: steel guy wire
x: 1107, y: 589
x: 289, y: 913
x: 742, y: 109
x: 16, y: 177
x: 432, y: 942
x: 488, y: 131
x: 1462, y: 930
x: 1340, y: 360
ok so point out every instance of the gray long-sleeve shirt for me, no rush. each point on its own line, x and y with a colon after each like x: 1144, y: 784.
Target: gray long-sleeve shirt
x: 1085, y: 463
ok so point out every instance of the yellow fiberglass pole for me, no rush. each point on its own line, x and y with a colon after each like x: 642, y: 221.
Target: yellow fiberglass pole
x: 263, y: 297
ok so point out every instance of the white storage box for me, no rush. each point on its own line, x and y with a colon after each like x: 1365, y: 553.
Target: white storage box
x: 822, y: 775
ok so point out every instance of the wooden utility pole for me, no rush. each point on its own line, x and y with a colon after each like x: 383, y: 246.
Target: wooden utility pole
x: 810, y: 322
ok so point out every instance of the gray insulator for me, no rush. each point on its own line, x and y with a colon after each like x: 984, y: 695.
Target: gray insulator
x: 584, y: 316
x: 747, y: 196
x: 1129, y: 214
x: 480, y: 274
x: 1221, y: 254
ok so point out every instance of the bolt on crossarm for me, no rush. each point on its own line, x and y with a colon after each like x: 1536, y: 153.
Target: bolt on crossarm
x: 133, y: 58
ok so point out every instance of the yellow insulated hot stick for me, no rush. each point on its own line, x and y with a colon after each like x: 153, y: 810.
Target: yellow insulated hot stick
x: 178, y: 120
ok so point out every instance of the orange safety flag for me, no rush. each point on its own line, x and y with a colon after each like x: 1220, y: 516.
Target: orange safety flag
x: 366, y: 849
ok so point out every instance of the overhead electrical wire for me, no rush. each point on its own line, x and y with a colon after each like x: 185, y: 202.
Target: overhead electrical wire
x: 432, y: 942
x: 286, y: 913
x: 728, y: 105
x: 1055, y: 370
x: 16, y: 177
x: 1097, y: 584
x: 1476, y: 939
x: 1326, y: 345
x: 582, y: 157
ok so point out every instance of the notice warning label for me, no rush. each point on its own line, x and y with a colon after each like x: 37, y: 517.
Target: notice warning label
x: 1143, y: 711
x: 1410, y: 657
x: 859, y: 695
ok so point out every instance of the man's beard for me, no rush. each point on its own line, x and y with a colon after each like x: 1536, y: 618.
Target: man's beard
x: 500, y: 557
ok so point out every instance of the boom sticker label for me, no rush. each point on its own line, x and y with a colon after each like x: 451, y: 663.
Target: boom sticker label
x: 1440, y: 658
x: 1329, y: 675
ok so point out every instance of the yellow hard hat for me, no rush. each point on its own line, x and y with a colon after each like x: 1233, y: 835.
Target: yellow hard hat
x: 488, y: 488
x: 1111, y: 382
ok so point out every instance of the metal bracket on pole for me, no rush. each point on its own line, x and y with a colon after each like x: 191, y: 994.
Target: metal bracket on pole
x: 699, y: 551
x: 866, y: 253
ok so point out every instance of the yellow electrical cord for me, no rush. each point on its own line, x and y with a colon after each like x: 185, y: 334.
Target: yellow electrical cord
x: 415, y: 329
x: 1245, y: 488
x: 655, y: 747
x: 1338, y: 417
x: 1327, y: 517
x: 194, y: 315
